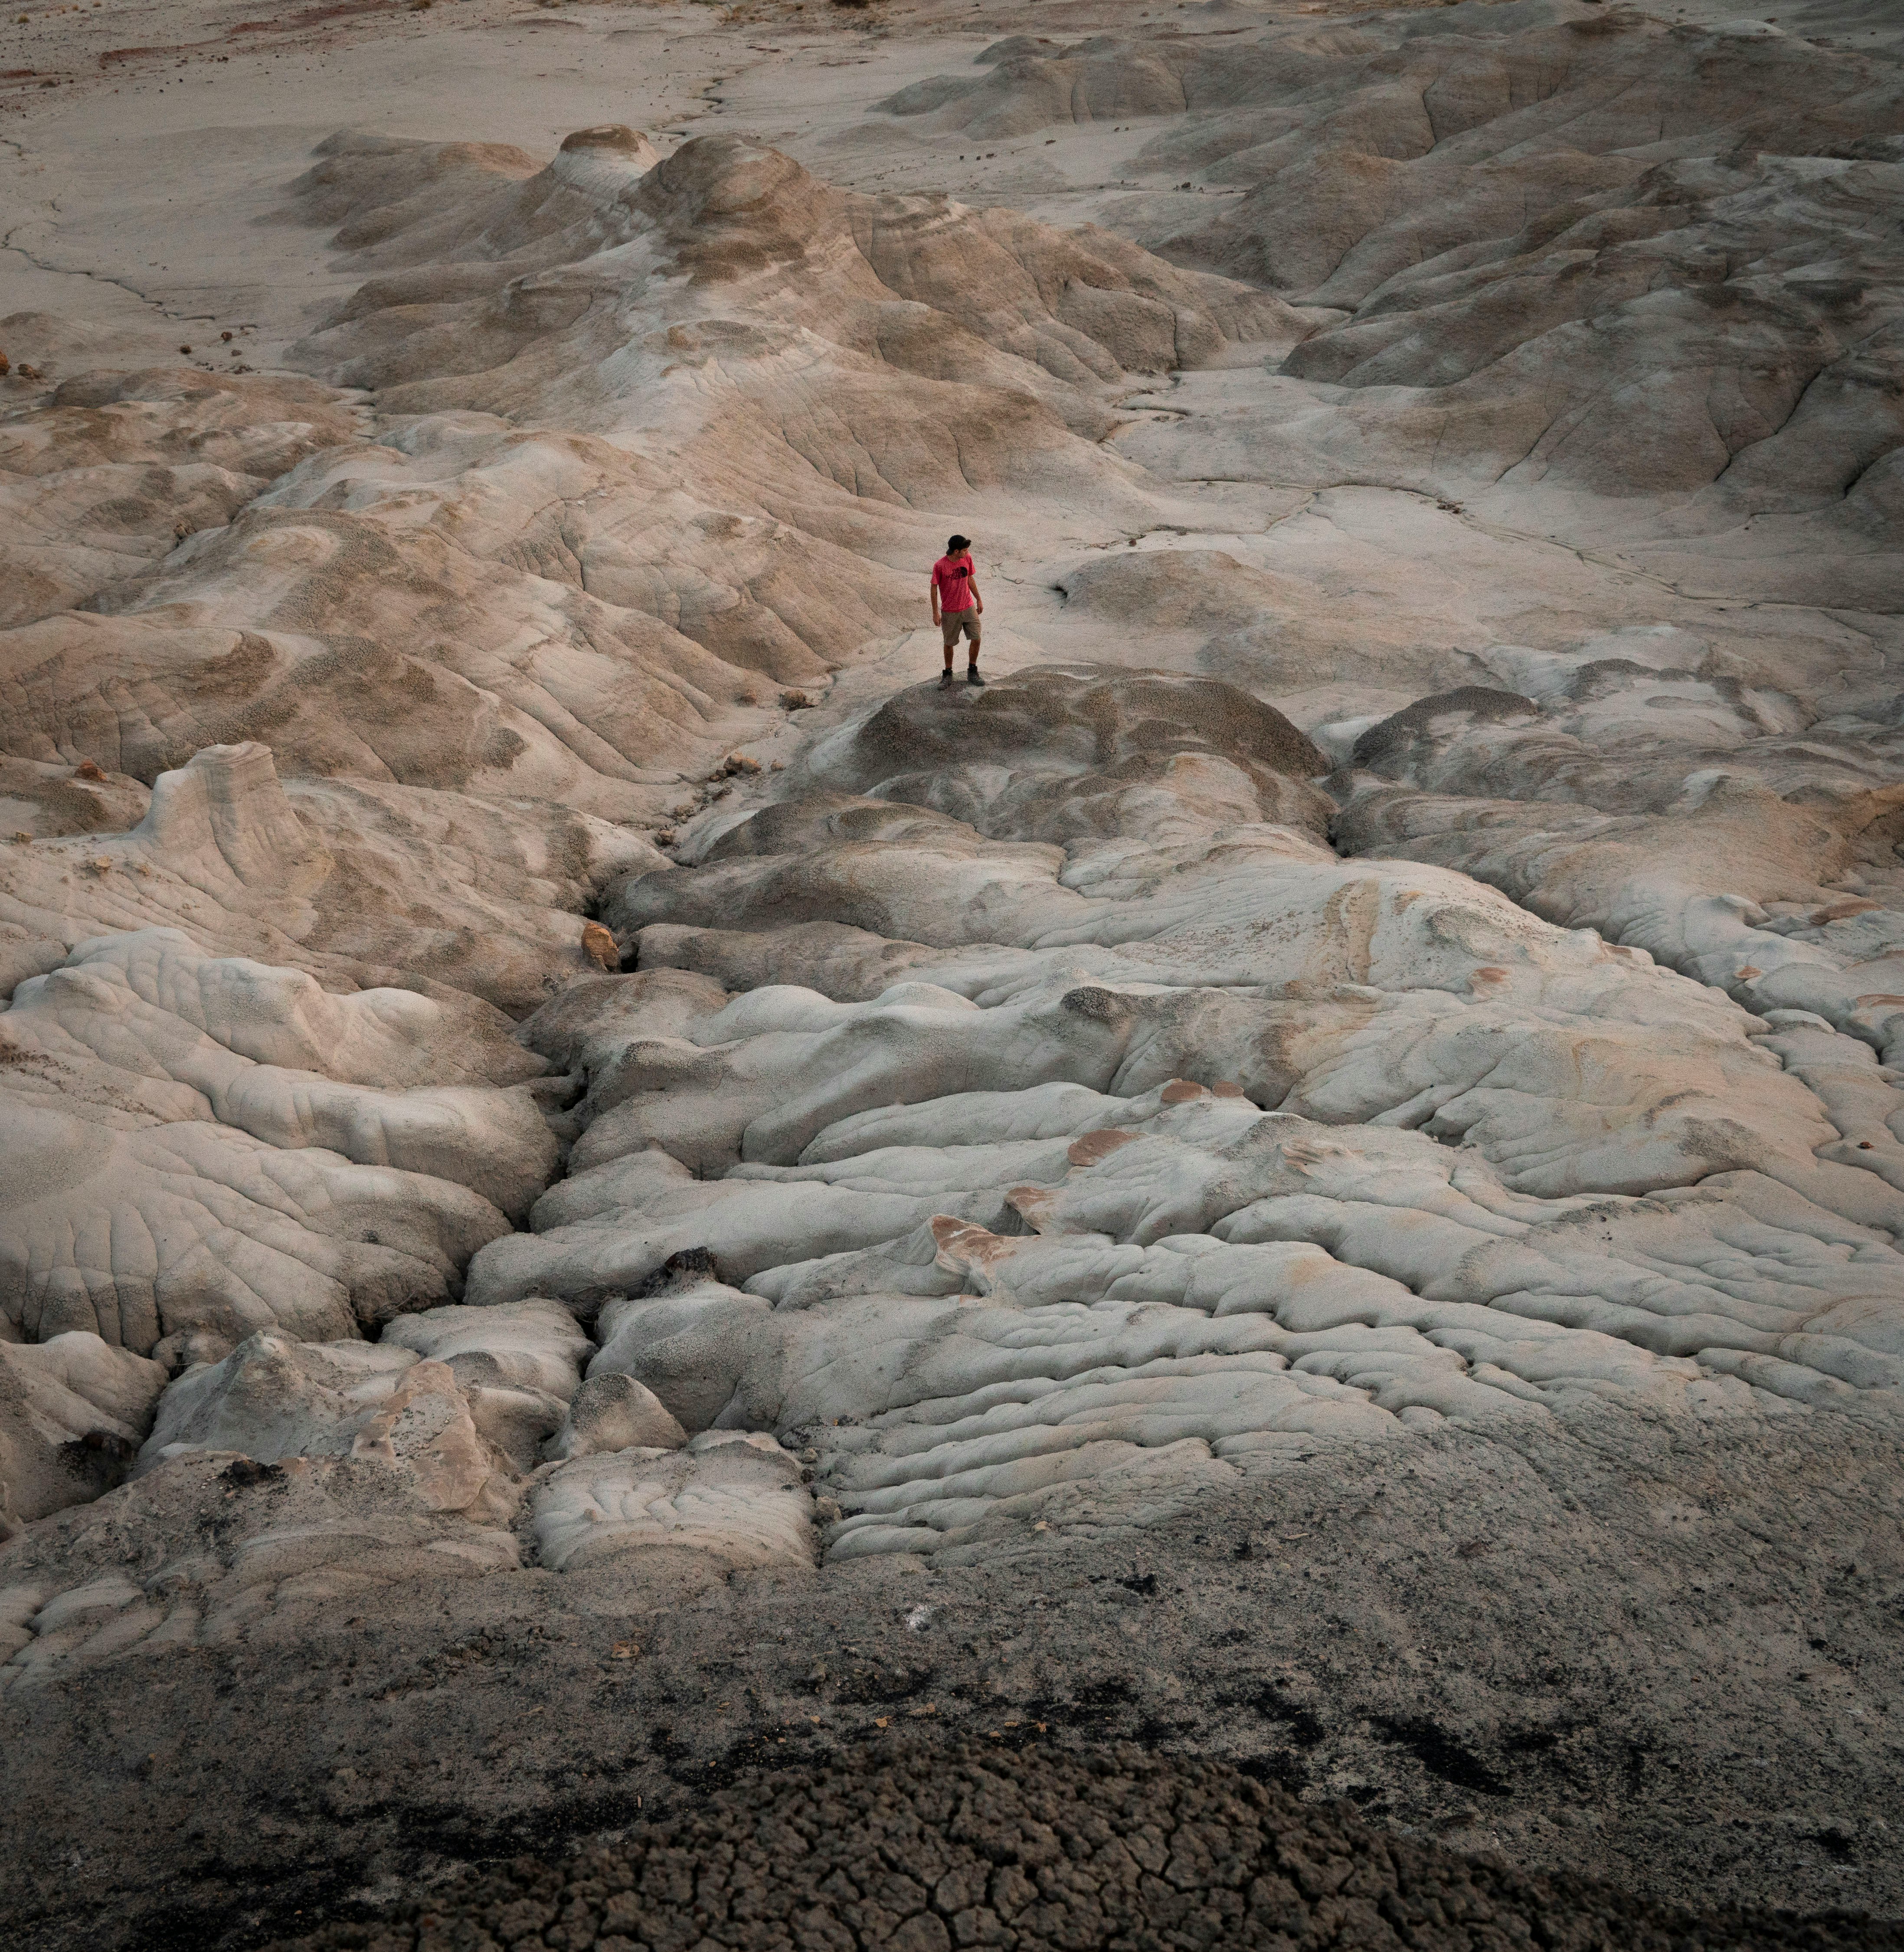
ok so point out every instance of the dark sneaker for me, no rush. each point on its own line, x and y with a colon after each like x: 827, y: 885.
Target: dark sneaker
x: 946, y: 681
x: 972, y: 676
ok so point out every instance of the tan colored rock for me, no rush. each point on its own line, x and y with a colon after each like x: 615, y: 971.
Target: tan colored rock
x: 368, y: 885
x: 599, y: 946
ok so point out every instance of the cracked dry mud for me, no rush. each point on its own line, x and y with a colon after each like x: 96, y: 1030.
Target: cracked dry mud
x: 603, y: 1187
x: 1031, y: 1850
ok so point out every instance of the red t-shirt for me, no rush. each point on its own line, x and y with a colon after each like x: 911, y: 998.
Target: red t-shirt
x: 953, y: 580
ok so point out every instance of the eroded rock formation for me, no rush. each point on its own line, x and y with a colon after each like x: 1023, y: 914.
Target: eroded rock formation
x: 535, y: 1045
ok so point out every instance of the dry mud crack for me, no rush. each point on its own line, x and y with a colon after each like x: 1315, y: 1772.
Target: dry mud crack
x: 933, y: 1851
x: 603, y: 1186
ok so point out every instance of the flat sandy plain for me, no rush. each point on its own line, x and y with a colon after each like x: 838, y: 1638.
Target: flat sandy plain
x: 602, y: 1186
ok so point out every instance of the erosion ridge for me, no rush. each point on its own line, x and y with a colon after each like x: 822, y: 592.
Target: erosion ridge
x: 557, y: 1095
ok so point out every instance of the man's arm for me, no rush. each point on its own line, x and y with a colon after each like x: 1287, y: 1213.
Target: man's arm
x: 971, y: 583
x: 932, y: 583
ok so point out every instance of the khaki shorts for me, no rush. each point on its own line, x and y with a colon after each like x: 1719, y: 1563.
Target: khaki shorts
x: 953, y: 622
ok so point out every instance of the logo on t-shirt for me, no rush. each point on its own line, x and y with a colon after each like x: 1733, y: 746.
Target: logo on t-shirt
x: 955, y: 581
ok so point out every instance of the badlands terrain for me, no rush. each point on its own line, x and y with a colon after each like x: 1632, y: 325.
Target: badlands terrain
x: 601, y: 1185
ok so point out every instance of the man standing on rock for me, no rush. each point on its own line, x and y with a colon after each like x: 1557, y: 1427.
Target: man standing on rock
x: 957, y: 606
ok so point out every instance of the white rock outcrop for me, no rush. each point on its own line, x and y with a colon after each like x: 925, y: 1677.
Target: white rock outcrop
x: 735, y: 1498
x: 519, y: 1366
x: 193, y: 1144
x: 365, y: 883
x: 272, y: 1398
x: 1234, y: 1145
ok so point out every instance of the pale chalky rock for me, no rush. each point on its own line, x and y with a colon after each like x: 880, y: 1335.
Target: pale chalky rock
x: 519, y: 1365
x: 363, y: 882
x: 73, y: 1412
x: 734, y: 1497
x: 758, y: 1082
x: 43, y: 798
x: 369, y: 613
x: 360, y: 882
x: 1723, y: 884
x: 277, y: 1017
x: 294, y: 1540
x: 1384, y: 1277
x: 97, y: 485
x: 271, y: 1398
x: 1373, y: 957
x: 1640, y: 790
x: 533, y: 1344
x: 484, y: 200
x: 994, y: 293
x: 851, y: 965
x: 217, y: 850
x: 1792, y: 1277
x: 1373, y: 1039
x: 199, y: 1147
x: 1099, y: 1062
x: 145, y: 1022
x: 613, y: 1412
x: 687, y: 1349
x: 1075, y: 754
x: 424, y: 1432
x: 1454, y: 348
x: 459, y: 893
x: 1177, y: 1361
x: 434, y: 708
x: 606, y: 1231
x: 593, y: 1022
x: 958, y: 1411
x: 140, y: 1235
x: 649, y: 617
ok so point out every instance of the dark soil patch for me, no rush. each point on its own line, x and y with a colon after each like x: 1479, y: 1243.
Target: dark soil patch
x: 912, y: 1846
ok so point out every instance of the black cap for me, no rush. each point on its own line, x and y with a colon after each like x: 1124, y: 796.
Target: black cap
x: 955, y: 543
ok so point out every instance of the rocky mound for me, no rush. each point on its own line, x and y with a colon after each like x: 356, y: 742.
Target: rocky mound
x: 1037, y: 1849
x: 1072, y: 742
